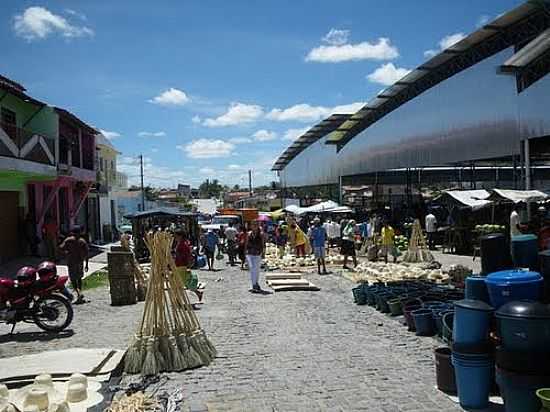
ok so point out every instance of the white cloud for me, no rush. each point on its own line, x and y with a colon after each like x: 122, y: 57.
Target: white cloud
x: 72, y: 12
x: 306, y: 113
x: 208, y: 148
x: 38, y: 23
x: 450, y: 40
x: 387, y: 74
x: 154, y: 150
x: 293, y: 134
x: 483, y: 20
x: 170, y: 97
x: 382, y: 49
x: 444, y: 44
x: 430, y: 53
x: 238, y: 113
x: 240, y: 140
x: 154, y: 175
x: 152, y: 134
x: 207, y: 171
x: 264, y: 135
x: 234, y: 167
x: 196, y: 119
x: 336, y: 37
x: 109, y: 135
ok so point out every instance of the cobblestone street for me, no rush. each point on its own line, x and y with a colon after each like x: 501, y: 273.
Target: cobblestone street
x: 289, y: 351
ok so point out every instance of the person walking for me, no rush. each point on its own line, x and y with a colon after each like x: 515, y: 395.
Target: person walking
x: 255, y: 249
x: 231, y: 238
x: 281, y: 238
x: 299, y: 240
x: 241, y: 248
x: 388, y: 242
x: 317, y: 237
x: 76, y: 251
x: 348, y: 243
x: 431, y: 227
x: 184, y: 262
x: 211, y: 242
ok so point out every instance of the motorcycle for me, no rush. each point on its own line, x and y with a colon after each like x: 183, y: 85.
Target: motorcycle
x: 41, y: 299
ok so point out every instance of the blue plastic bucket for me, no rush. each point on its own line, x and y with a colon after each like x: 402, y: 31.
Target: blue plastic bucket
x: 519, y: 391
x: 476, y: 288
x: 473, y: 381
x: 472, y: 320
x: 525, y: 251
x: 424, y: 322
x: 510, y: 285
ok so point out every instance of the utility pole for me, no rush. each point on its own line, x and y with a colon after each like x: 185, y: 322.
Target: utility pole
x: 250, y: 182
x: 142, y: 188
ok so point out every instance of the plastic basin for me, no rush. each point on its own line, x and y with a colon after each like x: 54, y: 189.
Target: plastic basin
x: 510, y: 285
x: 519, y: 391
x: 423, y: 322
x: 473, y: 382
x: 444, y: 371
x: 471, y: 322
x: 544, y: 395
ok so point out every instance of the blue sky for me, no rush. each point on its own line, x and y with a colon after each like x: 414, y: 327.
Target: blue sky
x: 210, y: 89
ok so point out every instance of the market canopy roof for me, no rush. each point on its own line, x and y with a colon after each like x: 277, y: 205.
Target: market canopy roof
x: 486, y: 41
x: 161, y: 211
x: 518, y: 196
x: 474, y: 199
x: 324, y: 207
x: 308, y: 138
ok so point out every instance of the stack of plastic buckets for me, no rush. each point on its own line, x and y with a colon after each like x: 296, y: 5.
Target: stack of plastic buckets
x: 472, y: 356
x: 523, y: 357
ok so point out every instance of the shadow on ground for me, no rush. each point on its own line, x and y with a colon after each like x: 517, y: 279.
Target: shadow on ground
x: 35, y: 336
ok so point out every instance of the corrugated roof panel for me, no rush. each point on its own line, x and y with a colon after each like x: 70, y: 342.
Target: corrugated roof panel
x: 515, y: 15
x: 437, y: 60
x: 413, y: 76
x: 529, y: 53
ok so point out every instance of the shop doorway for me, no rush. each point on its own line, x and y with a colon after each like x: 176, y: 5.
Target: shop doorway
x: 9, y: 218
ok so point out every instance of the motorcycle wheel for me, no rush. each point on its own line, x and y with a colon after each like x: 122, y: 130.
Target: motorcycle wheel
x: 53, y: 313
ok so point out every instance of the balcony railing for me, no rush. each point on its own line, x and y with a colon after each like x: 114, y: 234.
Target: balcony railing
x: 25, y: 144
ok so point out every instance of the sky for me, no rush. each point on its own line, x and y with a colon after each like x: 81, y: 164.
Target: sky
x: 211, y: 89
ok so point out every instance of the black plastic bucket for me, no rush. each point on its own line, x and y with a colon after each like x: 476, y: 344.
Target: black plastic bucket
x: 444, y: 371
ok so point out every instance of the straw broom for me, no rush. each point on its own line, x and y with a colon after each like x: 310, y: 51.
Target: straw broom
x: 169, y: 337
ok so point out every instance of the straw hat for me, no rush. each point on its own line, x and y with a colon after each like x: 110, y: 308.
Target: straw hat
x: 44, y: 395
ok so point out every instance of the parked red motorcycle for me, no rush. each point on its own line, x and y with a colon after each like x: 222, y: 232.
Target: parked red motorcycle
x: 36, y: 299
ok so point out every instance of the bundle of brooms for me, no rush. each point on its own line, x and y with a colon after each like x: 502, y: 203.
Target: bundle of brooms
x: 418, y: 250
x: 169, y: 337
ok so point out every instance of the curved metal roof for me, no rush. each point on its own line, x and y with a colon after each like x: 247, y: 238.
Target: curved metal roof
x: 524, y: 22
x: 311, y: 136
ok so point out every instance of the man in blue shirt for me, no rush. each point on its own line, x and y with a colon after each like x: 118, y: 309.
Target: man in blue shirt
x: 210, y: 243
x: 318, y: 236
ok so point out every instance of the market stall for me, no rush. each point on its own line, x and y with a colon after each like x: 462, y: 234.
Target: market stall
x: 160, y: 219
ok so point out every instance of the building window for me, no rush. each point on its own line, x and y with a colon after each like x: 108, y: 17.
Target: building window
x: 9, y: 122
x: 101, y: 164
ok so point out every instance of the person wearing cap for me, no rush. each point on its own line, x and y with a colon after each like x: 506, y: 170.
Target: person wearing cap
x: 76, y: 251
x: 318, y: 236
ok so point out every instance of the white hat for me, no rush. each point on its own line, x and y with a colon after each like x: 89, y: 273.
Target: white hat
x: 76, y: 395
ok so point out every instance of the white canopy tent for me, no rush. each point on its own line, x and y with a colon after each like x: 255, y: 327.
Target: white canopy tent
x: 324, y: 207
x: 518, y: 196
x: 475, y: 199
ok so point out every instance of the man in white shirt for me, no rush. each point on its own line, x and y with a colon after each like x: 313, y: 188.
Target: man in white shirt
x: 431, y: 227
x: 336, y: 233
x: 514, y: 223
x: 328, y: 229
